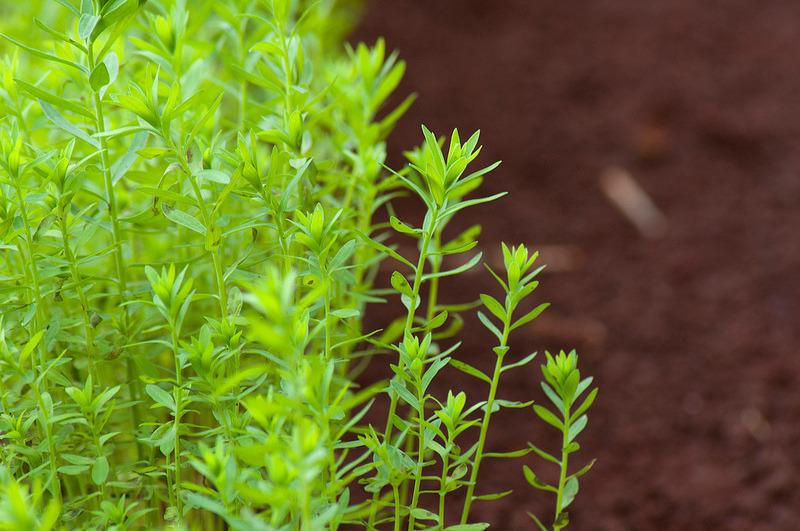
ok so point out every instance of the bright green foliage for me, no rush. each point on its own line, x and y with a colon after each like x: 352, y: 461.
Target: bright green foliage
x: 564, y: 387
x: 187, y: 251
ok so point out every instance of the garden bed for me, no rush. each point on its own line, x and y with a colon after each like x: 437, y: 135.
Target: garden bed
x: 692, y: 336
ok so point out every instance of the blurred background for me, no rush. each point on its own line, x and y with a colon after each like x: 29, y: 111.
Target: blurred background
x: 652, y: 152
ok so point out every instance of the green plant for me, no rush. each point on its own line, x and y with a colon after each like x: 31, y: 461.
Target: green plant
x: 563, y: 386
x: 188, y: 199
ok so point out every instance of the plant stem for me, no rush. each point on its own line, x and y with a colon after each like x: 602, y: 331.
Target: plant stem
x: 328, y: 319
x: 433, y: 290
x: 443, y: 483
x: 177, y: 420
x: 397, y: 519
x: 420, y: 454
x: 116, y: 237
x: 412, y: 307
x: 37, y: 291
x: 498, y: 366
x: 76, y: 278
x: 243, y: 83
x: 418, y: 272
x: 50, y: 443
x: 562, y: 478
x: 216, y: 261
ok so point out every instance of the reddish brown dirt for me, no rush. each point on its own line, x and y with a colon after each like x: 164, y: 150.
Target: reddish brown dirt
x: 693, y: 336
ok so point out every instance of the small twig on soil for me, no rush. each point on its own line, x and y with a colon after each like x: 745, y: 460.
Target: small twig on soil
x: 631, y: 199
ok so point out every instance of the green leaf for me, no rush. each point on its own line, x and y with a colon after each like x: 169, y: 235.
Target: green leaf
x: 346, y: 313
x: 561, y: 521
x: 493, y: 306
x: 512, y: 404
x: 534, y: 482
x: 402, y: 228
x: 160, y: 397
x: 59, y: 35
x: 587, y: 403
x: 524, y: 361
x: 62, y: 123
x: 576, y: 428
x: 539, y: 523
x: 554, y: 398
x: 490, y: 326
x: 388, y: 122
x: 494, y: 496
x: 77, y: 459
x: 69, y: 6
x: 73, y: 470
x: 99, y: 77
x: 433, y: 370
x: 530, y: 316
x: 455, y: 271
x: 29, y: 347
x: 384, y: 249
x: 214, y: 176
x: 422, y: 514
x: 585, y: 469
x: 126, y: 161
x: 205, y: 117
x: 582, y: 386
x: 182, y: 218
x: 401, y: 390
x: 508, y: 455
x: 86, y: 25
x: 548, y: 417
x: 570, y: 491
x: 43, y: 55
x: 437, y: 321
x: 572, y: 447
x: 468, y: 527
x: 205, y: 503
x: 58, y: 101
x: 100, y: 470
x: 400, y: 283
x: 472, y: 202
x: 466, y: 368
x: 544, y: 455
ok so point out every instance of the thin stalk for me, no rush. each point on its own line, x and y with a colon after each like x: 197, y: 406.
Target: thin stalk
x: 116, y: 237
x: 216, y: 261
x: 328, y: 320
x: 111, y: 199
x: 177, y: 419
x: 562, y: 478
x: 397, y: 519
x: 51, y: 447
x: 433, y: 290
x: 420, y: 455
x: 473, y: 478
x: 98, y: 448
x: 37, y: 291
x: 170, y: 489
x: 243, y: 82
x: 412, y: 307
x: 418, y: 272
x: 78, y: 280
x: 307, y: 518
x: 443, y: 482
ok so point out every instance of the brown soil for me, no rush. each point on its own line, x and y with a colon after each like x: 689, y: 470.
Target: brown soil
x: 691, y: 336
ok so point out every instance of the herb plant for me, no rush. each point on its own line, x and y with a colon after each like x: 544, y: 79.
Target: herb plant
x: 189, y: 240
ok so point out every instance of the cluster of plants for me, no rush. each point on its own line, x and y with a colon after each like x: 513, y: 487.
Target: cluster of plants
x: 194, y: 211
